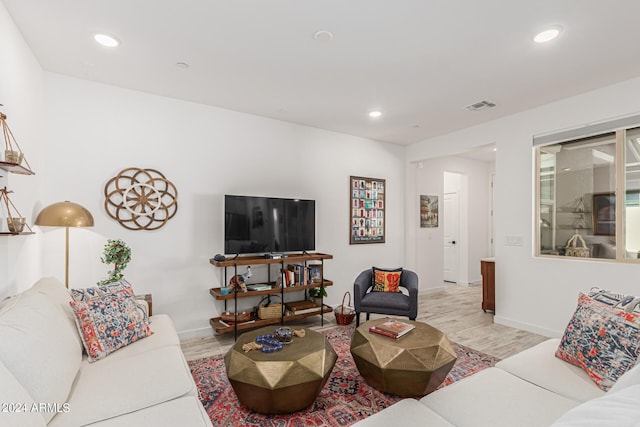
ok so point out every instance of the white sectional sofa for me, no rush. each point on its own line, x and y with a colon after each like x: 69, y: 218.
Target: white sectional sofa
x: 532, y: 388
x: 46, y: 380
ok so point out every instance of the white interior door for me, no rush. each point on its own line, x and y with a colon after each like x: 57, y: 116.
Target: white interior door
x: 451, y: 217
x: 492, y: 230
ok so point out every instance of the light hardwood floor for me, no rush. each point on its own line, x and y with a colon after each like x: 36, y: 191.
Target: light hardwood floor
x: 455, y: 311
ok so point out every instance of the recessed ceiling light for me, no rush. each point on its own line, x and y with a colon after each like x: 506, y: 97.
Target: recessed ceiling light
x: 323, y: 36
x: 547, y: 35
x: 106, y: 40
x: 182, y: 65
x: 375, y: 114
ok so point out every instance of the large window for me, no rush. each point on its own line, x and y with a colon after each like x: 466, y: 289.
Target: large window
x: 578, y: 210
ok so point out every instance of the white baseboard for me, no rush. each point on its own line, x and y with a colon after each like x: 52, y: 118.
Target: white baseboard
x: 527, y: 327
x: 195, y: 333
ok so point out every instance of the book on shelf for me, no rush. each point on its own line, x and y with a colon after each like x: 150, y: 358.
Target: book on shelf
x: 392, y: 328
x: 259, y: 287
x: 299, y: 305
x: 315, y: 309
x: 295, y: 275
x: 288, y: 277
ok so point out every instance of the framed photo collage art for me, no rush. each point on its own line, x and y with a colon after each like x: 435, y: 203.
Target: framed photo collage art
x: 367, y: 210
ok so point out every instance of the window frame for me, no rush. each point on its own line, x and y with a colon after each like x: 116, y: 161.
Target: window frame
x: 620, y: 163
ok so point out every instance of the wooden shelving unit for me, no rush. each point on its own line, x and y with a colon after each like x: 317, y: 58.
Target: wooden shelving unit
x: 252, y: 260
x: 216, y: 293
x: 257, y: 323
x: 13, y: 168
x: 9, y: 167
x: 24, y: 233
x: 261, y: 260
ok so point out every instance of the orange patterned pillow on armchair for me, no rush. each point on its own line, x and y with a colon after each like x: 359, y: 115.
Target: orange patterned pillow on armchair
x: 386, y: 280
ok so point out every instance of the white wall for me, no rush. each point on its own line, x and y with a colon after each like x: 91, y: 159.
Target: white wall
x: 82, y: 134
x: 21, y: 96
x: 534, y: 293
x: 428, y: 179
x: 94, y: 131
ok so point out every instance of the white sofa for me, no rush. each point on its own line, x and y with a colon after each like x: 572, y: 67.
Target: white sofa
x: 46, y: 380
x: 532, y: 388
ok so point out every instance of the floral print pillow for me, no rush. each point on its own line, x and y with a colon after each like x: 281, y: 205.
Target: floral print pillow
x: 99, y: 291
x: 602, y: 340
x: 622, y: 302
x: 86, y: 294
x: 108, y: 323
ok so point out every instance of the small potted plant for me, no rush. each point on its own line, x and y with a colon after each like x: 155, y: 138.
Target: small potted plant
x: 317, y: 294
x: 116, y: 252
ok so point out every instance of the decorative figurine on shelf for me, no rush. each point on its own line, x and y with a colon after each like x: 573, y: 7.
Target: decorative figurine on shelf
x: 239, y: 281
x: 116, y: 252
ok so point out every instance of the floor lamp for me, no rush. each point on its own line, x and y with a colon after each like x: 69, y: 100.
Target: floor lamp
x: 65, y: 214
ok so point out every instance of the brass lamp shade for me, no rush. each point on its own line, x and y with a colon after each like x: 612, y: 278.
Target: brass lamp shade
x: 65, y: 214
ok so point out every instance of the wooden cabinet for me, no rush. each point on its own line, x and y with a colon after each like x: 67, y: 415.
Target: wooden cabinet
x: 233, y: 264
x: 488, y: 270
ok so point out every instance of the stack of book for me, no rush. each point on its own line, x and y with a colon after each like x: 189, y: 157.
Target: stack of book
x: 300, y: 307
x: 259, y: 287
x: 295, y: 274
x: 392, y: 328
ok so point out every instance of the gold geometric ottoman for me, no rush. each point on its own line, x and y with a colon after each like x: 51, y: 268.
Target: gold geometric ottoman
x: 282, y: 382
x: 412, y: 365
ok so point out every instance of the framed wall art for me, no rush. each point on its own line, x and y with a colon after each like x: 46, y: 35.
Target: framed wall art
x: 428, y: 211
x: 367, y: 210
x: 315, y: 273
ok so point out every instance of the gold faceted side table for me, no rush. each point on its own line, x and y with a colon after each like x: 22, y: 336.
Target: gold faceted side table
x: 412, y: 365
x: 281, y: 382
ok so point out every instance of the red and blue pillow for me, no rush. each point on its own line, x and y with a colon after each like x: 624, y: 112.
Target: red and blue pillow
x: 109, y: 323
x: 386, y: 280
x: 602, y: 340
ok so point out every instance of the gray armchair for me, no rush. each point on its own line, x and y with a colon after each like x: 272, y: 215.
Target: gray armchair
x: 398, y: 304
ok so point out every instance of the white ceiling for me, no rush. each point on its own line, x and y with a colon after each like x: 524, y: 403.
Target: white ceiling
x: 419, y: 61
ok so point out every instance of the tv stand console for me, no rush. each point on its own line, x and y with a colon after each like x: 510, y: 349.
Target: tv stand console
x: 222, y: 327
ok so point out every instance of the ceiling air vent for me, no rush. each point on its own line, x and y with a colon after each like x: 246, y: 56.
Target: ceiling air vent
x: 482, y: 105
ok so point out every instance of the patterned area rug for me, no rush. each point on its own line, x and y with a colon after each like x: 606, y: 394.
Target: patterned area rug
x: 345, y: 398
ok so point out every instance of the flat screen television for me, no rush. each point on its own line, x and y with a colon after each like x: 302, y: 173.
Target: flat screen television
x: 255, y: 225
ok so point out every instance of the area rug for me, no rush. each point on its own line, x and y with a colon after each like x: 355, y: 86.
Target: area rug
x: 345, y: 398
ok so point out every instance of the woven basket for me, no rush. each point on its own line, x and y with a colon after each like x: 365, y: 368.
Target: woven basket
x: 269, y: 310
x: 345, y: 313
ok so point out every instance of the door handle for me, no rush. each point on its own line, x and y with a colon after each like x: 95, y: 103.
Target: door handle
x: 453, y: 242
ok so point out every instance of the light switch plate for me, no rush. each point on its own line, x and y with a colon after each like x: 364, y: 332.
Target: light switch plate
x: 513, y: 240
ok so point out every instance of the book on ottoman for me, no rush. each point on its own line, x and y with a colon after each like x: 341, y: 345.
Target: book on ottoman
x: 392, y: 328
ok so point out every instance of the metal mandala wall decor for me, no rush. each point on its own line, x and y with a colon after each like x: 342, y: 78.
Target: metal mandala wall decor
x: 140, y: 199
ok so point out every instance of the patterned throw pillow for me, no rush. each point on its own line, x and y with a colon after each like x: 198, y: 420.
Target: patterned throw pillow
x: 622, y: 302
x: 386, y: 280
x: 108, y: 323
x: 87, y: 294
x: 100, y: 291
x: 602, y: 340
